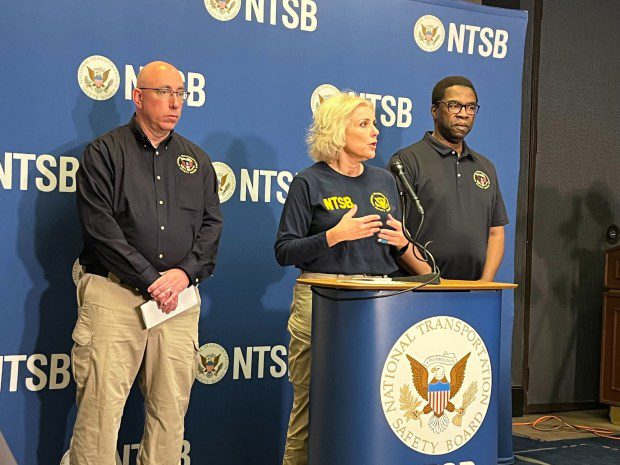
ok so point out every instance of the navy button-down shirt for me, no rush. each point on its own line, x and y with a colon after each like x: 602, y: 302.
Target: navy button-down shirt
x: 144, y: 209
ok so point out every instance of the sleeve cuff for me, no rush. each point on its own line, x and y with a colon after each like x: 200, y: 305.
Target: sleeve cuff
x: 146, y: 278
x: 194, y: 271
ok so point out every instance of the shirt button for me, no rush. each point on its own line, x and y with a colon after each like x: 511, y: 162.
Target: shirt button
x: 159, y: 178
x: 163, y: 227
x: 161, y: 202
x: 196, y: 279
x: 459, y: 175
x: 161, y: 255
x: 156, y: 152
x: 453, y: 152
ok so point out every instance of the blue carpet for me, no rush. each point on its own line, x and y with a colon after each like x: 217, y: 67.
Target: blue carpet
x: 591, y: 451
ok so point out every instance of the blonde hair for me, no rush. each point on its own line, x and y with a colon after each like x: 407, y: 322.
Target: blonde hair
x: 326, y: 135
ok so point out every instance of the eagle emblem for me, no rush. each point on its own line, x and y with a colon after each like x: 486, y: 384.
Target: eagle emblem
x: 226, y: 180
x: 210, y: 365
x: 438, y: 391
x: 187, y: 164
x: 223, y: 180
x: 223, y: 4
x: 482, y: 180
x: 428, y: 33
x: 98, y: 77
x: 380, y: 202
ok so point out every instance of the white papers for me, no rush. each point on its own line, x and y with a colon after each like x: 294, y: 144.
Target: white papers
x: 6, y: 457
x: 368, y: 280
x: 152, y: 315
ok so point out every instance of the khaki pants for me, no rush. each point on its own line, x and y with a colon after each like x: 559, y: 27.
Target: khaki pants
x: 299, y: 351
x: 300, y: 328
x: 110, y: 348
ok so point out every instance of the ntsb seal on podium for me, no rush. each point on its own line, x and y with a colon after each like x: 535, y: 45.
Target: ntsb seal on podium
x: 436, y: 385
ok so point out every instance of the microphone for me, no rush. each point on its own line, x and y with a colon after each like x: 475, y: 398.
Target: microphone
x: 396, y: 167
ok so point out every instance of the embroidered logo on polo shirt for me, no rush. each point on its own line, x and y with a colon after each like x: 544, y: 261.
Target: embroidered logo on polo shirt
x: 213, y: 363
x: 482, y: 180
x: 223, y: 10
x: 187, y: 164
x: 380, y: 202
x: 436, y: 385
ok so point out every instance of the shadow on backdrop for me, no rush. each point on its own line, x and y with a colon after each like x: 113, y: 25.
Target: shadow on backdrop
x: 49, y: 242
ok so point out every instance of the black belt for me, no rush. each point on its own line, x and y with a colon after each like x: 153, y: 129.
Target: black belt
x: 96, y: 269
x: 102, y: 271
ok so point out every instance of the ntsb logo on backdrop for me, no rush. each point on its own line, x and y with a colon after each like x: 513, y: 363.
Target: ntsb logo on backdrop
x: 254, y: 185
x: 212, y: 364
x: 129, y: 453
x: 252, y: 362
x: 223, y: 10
x: 429, y: 33
x: 292, y: 14
x: 98, y: 77
x: 320, y: 94
x: 391, y: 110
x: 226, y: 179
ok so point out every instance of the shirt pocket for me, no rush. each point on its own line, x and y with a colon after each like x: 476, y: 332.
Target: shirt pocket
x: 189, y: 192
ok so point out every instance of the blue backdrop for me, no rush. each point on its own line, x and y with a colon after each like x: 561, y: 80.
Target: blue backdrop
x: 252, y: 67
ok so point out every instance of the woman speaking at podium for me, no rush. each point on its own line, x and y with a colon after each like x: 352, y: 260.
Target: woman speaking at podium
x: 338, y: 220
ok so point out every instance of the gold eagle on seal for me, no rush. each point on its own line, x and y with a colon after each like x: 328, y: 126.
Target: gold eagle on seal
x: 222, y: 4
x: 437, y: 390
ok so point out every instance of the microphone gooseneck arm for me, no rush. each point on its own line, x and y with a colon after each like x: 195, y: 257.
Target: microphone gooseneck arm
x: 406, y: 191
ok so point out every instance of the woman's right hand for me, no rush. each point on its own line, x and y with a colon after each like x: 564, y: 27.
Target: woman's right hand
x: 350, y: 228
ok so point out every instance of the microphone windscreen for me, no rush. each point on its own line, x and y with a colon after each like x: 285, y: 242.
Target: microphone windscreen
x: 396, y: 167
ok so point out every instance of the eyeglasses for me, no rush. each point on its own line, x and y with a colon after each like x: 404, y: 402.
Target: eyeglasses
x: 455, y: 107
x: 165, y: 92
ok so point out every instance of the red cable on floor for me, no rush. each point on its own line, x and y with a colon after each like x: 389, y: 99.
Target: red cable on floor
x: 603, y: 433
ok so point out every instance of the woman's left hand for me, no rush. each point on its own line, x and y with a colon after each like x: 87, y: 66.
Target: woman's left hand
x: 393, y: 236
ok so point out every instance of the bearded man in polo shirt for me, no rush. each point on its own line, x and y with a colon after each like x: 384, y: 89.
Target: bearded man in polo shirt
x: 458, y: 187
x: 149, y: 209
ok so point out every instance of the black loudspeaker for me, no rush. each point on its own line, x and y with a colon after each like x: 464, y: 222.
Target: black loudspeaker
x: 613, y: 234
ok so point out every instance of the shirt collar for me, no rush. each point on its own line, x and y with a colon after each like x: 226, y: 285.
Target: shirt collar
x: 444, y: 150
x: 141, y: 137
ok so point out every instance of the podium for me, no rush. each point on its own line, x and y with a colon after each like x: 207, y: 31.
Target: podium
x: 404, y: 377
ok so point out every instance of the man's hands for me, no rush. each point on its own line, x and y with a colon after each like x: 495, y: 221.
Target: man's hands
x: 166, y: 288
x: 350, y: 228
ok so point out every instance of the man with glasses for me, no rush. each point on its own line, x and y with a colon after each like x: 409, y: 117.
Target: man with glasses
x: 149, y: 209
x: 458, y: 188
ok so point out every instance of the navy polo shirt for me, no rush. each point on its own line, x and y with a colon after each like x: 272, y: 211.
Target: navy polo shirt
x: 462, y: 201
